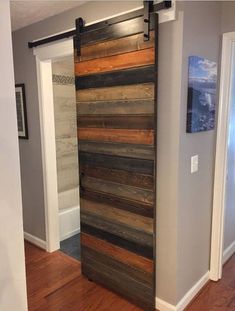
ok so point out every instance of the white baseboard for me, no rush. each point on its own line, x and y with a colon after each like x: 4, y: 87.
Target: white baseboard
x: 228, y: 252
x: 69, y: 219
x: 182, y: 304
x: 34, y: 240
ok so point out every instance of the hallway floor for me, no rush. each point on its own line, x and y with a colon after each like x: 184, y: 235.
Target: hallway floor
x: 55, y: 283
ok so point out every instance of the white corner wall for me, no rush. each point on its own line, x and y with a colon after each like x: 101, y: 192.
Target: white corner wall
x: 12, y: 266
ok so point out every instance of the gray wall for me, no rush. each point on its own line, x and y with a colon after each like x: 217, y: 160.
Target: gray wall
x: 25, y: 72
x: 184, y: 206
x: 227, y: 25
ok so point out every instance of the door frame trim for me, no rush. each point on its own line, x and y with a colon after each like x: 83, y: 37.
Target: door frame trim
x: 220, y: 173
x: 44, y: 57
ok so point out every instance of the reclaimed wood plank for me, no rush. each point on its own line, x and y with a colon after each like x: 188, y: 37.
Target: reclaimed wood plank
x: 120, y: 230
x: 116, y: 189
x: 115, y: 47
x: 134, y: 221
x: 121, y: 107
x: 122, y: 122
x: 123, y: 177
x: 117, y: 252
x: 123, y: 92
x: 141, y: 276
x: 131, y: 136
x: 115, y: 62
x: 122, y: 284
x: 115, y: 31
x: 117, y: 149
x: 145, y: 74
x: 135, y: 207
x: 139, y: 166
x: 142, y: 250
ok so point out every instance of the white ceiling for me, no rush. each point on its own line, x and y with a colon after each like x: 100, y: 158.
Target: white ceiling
x: 24, y: 13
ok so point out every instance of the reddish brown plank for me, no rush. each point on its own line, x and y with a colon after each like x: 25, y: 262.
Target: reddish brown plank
x: 144, y: 137
x: 117, y: 62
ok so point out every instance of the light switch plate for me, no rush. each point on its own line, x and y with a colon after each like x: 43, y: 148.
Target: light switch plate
x: 194, y: 164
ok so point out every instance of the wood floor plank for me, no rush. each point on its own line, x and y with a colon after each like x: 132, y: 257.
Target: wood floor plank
x: 116, y: 62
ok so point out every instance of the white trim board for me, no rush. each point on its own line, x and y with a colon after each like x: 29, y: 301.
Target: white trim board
x: 69, y: 219
x: 34, y: 240
x: 185, y: 301
x: 220, y: 175
x: 228, y: 252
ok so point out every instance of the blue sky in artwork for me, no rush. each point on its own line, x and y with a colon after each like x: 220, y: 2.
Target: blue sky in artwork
x: 202, y: 69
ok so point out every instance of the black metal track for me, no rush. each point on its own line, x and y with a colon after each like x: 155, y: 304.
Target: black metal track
x: 124, y: 17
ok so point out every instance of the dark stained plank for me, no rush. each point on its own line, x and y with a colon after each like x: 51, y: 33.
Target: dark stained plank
x: 139, y: 166
x: 139, y: 275
x: 121, y: 107
x: 142, y: 223
x: 123, y: 177
x: 117, y: 149
x: 119, y: 253
x: 119, y: 190
x: 115, y: 47
x: 137, y: 248
x: 115, y: 31
x: 140, y: 75
x: 134, y: 207
x: 123, y: 92
x: 131, y: 136
x: 120, y: 283
x: 115, y: 62
x: 121, y: 122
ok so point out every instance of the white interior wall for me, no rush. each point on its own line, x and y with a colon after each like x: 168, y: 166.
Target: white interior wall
x: 12, y: 265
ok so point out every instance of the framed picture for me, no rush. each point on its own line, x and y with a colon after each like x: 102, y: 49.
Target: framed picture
x: 201, y: 94
x: 21, y: 111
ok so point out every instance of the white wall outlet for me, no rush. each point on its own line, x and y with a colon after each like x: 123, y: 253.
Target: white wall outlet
x: 194, y: 164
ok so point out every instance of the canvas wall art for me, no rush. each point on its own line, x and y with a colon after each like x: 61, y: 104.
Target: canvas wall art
x: 201, y: 94
x: 21, y: 111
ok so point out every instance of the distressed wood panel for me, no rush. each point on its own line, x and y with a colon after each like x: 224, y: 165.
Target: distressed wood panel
x: 122, y: 150
x: 120, y: 122
x: 123, y: 92
x: 137, y: 248
x: 117, y: 229
x: 124, y: 177
x: 123, y: 191
x: 145, y: 224
x: 139, y: 208
x: 123, y: 107
x: 115, y: 31
x: 119, y: 253
x: 139, y: 166
x: 143, y: 137
x: 115, y: 83
x: 140, y: 276
x: 140, y: 75
x: 115, y: 47
x: 115, y: 62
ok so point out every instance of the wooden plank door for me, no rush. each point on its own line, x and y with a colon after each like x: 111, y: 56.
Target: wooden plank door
x: 116, y: 108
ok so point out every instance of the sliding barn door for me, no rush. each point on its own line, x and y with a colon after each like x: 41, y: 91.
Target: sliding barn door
x: 115, y: 86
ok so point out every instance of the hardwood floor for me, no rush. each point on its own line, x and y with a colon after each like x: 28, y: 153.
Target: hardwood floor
x: 55, y: 283
x: 218, y: 296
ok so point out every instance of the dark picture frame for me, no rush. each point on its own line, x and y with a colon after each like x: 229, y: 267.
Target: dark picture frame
x: 21, y: 111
